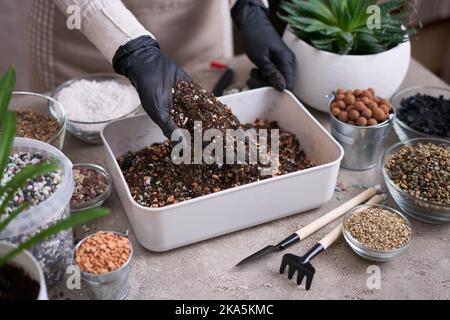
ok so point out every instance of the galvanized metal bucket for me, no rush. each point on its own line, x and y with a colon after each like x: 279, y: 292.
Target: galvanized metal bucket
x: 362, y: 145
x: 107, y: 286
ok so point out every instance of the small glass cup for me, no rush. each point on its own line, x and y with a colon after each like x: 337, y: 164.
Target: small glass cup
x: 365, y: 251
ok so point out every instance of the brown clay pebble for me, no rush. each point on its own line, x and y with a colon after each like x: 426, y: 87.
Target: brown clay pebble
x: 372, y: 122
x: 357, y: 92
x: 366, y: 113
x: 349, y: 99
x: 350, y: 108
x: 335, y: 111
x: 365, y: 100
x: 340, y: 97
x: 372, y: 90
x: 334, y: 105
x: 379, y: 114
x: 361, y: 121
x: 340, y: 91
x: 343, y: 116
x: 385, y: 108
x: 350, y: 122
x: 367, y: 93
x: 341, y: 104
x: 359, y: 106
x: 353, y: 115
x: 103, y: 252
x: 372, y: 105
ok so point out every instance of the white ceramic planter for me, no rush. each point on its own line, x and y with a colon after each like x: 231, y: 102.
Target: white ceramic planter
x: 26, y: 261
x: 320, y: 72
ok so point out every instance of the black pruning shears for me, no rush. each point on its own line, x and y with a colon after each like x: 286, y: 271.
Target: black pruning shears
x: 225, y: 80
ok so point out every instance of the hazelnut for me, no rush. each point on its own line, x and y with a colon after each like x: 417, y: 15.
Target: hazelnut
x: 335, y: 111
x: 343, y: 116
x: 361, y: 121
x: 367, y: 113
x: 372, y: 122
x: 379, y: 114
x: 349, y: 99
x: 340, y: 97
x: 359, y: 106
x: 341, y: 104
x: 353, y: 115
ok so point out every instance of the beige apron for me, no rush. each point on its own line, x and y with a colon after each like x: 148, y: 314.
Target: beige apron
x: 189, y: 31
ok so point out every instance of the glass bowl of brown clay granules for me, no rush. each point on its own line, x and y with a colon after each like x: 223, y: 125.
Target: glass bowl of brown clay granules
x: 376, y: 232
x: 417, y: 174
x: 39, y: 117
x: 93, y: 185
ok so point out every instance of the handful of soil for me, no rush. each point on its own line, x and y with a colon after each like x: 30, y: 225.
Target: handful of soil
x: 193, y: 103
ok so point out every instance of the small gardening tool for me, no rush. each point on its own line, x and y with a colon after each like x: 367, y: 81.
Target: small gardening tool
x: 313, y: 226
x: 302, y: 265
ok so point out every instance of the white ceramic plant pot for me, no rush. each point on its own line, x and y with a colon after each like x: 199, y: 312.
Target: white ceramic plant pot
x: 320, y: 72
x: 27, y: 262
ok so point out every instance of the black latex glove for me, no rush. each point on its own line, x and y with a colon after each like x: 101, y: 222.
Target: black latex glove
x: 154, y: 75
x: 264, y: 47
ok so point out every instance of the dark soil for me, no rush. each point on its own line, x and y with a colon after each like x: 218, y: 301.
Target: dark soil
x: 427, y: 114
x: 193, y: 103
x: 155, y: 181
x: 15, y: 284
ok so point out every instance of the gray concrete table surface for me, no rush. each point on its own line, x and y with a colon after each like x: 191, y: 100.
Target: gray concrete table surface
x: 206, y: 270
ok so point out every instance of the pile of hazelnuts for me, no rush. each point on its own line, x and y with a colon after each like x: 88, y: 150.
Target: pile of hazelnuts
x: 360, y: 107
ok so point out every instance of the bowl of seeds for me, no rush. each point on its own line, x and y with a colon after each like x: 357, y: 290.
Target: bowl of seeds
x: 39, y: 117
x: 417, y: 174
x: 93, y: 185
x: 376, y: 232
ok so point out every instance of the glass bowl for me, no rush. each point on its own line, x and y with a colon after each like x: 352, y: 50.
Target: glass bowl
x: 97, y: 202
x: 89, y: 131
x: 426, y: 211
x: 363, y: 250
x: 403, y: 131
x: 28, y: 101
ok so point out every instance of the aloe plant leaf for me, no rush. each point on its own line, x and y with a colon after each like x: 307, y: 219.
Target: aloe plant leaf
x: 74, y: 220
x: 8, y: 132
x: 7, y: 84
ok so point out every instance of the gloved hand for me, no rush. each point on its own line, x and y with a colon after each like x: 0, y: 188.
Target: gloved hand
x: 153, y: 74
x: 264, y: 47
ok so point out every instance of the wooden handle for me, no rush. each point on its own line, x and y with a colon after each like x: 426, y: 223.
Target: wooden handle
x: 336, y: 213
x: 331, y: 237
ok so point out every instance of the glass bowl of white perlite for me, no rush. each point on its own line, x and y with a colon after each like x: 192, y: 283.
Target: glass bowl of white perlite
x: 93, y: 101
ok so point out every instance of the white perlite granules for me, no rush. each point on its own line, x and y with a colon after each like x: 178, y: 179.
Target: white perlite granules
x: 97, y: 101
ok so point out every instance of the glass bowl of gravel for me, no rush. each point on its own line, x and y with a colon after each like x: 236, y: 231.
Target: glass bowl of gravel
x: 417, y: 175
x: 422, y: 112
x: 376, y: 232
x: 39, y: 117
x: 93, y: 101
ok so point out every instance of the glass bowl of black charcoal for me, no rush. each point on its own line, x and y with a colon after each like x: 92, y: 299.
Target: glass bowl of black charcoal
x: 422, y: 112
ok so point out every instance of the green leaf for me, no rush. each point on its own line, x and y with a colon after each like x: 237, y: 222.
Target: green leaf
x: 21, y: 177
x: 8, y: 132
x: 76, y: 219
x: 7, y: 84
x: 12, y: 216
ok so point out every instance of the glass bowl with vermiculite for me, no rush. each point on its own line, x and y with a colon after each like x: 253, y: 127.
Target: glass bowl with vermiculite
x: 417, y: 175
x: 95, y: 100
x: 93, y: 185
x: 422, y: 112
x: 376, y: 232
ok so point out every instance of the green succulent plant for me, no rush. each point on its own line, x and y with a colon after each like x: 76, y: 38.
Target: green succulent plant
x: 7, y: 135
x: 342, y: 26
